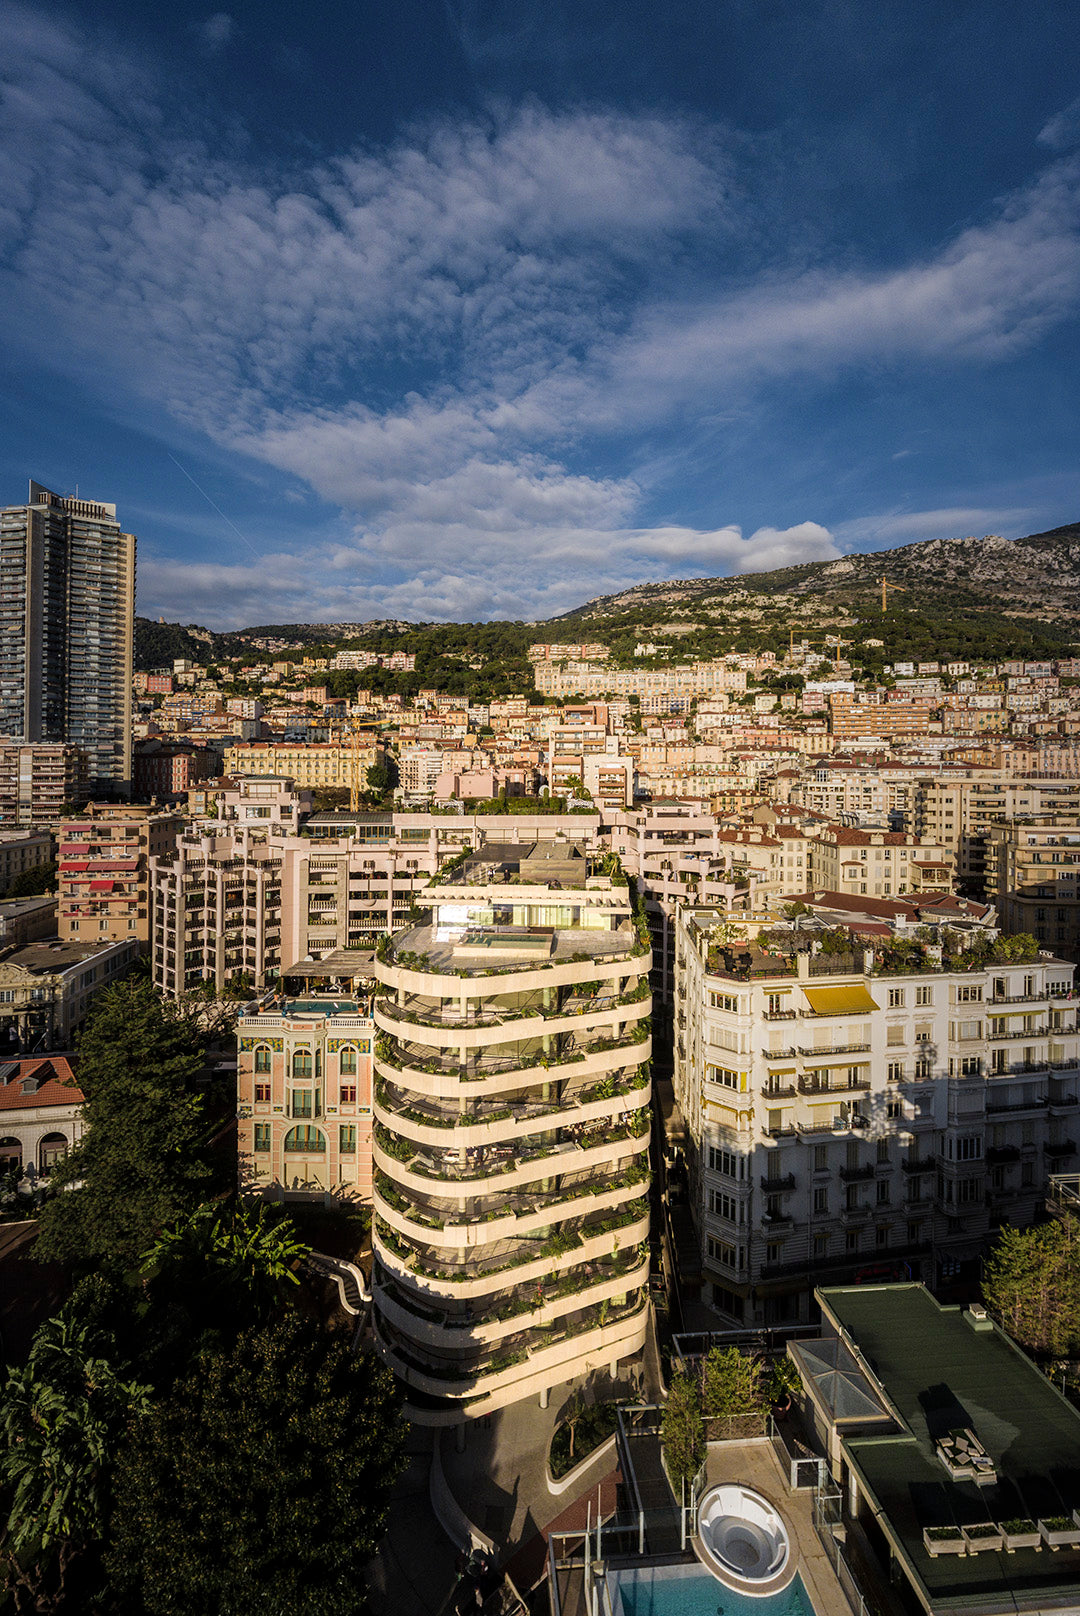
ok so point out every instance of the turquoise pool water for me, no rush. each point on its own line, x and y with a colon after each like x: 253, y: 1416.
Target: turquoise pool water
x: 656, y: 1592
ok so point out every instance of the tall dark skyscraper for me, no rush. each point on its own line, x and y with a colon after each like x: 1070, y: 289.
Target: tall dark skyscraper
x: 67, y: 623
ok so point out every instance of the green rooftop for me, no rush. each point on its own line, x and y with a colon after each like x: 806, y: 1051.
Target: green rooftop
x: 941, y: 1374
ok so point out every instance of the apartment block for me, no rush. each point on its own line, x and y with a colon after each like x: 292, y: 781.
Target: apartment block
x: 254, y: 800
x: 46, y: 988
x: 310, y: 765
x: 879, y: 864
x: 511, y: 1134
x: 168, y: 771
x: 675, y: 853
x: 304, y: 1076
x: 22, y: 851
x: 67, y: 605
x: 216, y: 910
x: 864, y: 1114
x: 1033, y: 874
x: 104, y: 870
x: 40, y: 782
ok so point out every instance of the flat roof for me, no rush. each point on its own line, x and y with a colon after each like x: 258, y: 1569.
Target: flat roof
x: 44, y: 957
x: 940, y: 1374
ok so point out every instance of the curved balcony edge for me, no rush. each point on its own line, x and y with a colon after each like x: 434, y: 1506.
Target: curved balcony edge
x: 626, y: 1237
x: 548, y: 1368
x: 483, y: 983
x: 448, y: 1085
x: 456, y: 1236
x: 480, y: 1035
x: 565, y: 1158
x: 503, y: 1130
x: 428, y: 1332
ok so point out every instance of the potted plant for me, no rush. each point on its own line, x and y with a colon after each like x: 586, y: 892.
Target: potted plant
x: 944, y: 1540
x: 1059, y: 1531
x: 983, y: 1535
x: 1021, y: 1533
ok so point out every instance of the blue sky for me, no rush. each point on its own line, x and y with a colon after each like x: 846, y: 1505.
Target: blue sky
x: 467, y: 309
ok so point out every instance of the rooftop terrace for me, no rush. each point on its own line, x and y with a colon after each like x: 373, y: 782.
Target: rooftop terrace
x: 941, y: 1374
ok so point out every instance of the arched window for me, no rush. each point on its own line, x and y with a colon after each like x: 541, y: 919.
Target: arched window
x: 53, y: 1148
x: 306, y: 1139
x: 262, y: 1058
x: 348, y: 1061
x: 301, y: 1063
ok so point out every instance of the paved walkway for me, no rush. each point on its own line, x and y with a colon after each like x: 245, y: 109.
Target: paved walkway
x: 415, y: 1572
x: 496, y: 1469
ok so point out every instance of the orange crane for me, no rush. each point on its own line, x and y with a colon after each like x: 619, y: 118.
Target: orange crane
x: 839, y: 642
x: 885, y: 587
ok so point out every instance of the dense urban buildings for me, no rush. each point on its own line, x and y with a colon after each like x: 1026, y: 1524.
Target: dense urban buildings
x: 67, y: 604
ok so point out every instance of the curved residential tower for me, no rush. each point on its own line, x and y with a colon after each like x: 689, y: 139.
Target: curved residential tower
x: 511, y: 1133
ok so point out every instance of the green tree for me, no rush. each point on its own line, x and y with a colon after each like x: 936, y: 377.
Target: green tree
x: 382, y: 776
x: 730, y: 1383
x: 220, y: 1261
x: 683, y: 1433
x: 33, y: 883
x: 261, y: 1486
x: 143, y: 1159
x: 61, y: 1418
x: 1031, y: 1280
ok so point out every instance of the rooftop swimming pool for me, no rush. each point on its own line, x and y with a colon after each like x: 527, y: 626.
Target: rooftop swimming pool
x: 320, y: 1007
x: 683, y: 1590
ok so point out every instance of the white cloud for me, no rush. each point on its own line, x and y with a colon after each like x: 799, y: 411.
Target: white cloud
x: 444, y: 337
x: 217, y: 31
x: 1063, y: 129
x: 438, y: 574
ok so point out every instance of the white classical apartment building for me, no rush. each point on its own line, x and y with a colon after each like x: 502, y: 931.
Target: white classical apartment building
x: 864, y: 1114
x: 511, y: 1134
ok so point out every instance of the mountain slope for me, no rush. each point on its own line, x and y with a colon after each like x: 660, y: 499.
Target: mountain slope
x: 1037, y: 575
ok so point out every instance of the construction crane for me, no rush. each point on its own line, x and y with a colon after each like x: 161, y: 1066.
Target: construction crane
x: 885, y: 587
x: 839, y: 641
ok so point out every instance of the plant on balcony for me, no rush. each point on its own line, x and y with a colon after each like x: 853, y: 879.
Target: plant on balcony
x: 400, y: 1149
x: 944, y: 1540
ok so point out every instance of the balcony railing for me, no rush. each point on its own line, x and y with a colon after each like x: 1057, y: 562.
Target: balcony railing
x: 835, y: 1049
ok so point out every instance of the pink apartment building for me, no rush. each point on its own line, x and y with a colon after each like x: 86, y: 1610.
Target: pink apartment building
x: 304, y: 1092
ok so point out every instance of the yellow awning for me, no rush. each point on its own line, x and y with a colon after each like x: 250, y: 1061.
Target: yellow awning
x: 850, y: 1001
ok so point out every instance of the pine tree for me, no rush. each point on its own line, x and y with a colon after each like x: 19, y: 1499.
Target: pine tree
x: 142, y: 1160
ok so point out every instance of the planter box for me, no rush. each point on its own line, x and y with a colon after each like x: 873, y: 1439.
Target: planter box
x: 985, y: 1536
x: 1060, y: 1537
x: 1028, y: 1538
x: 944, y: 1545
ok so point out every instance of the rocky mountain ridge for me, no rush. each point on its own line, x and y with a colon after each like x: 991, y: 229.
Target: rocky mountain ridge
x: 1038, y: 574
